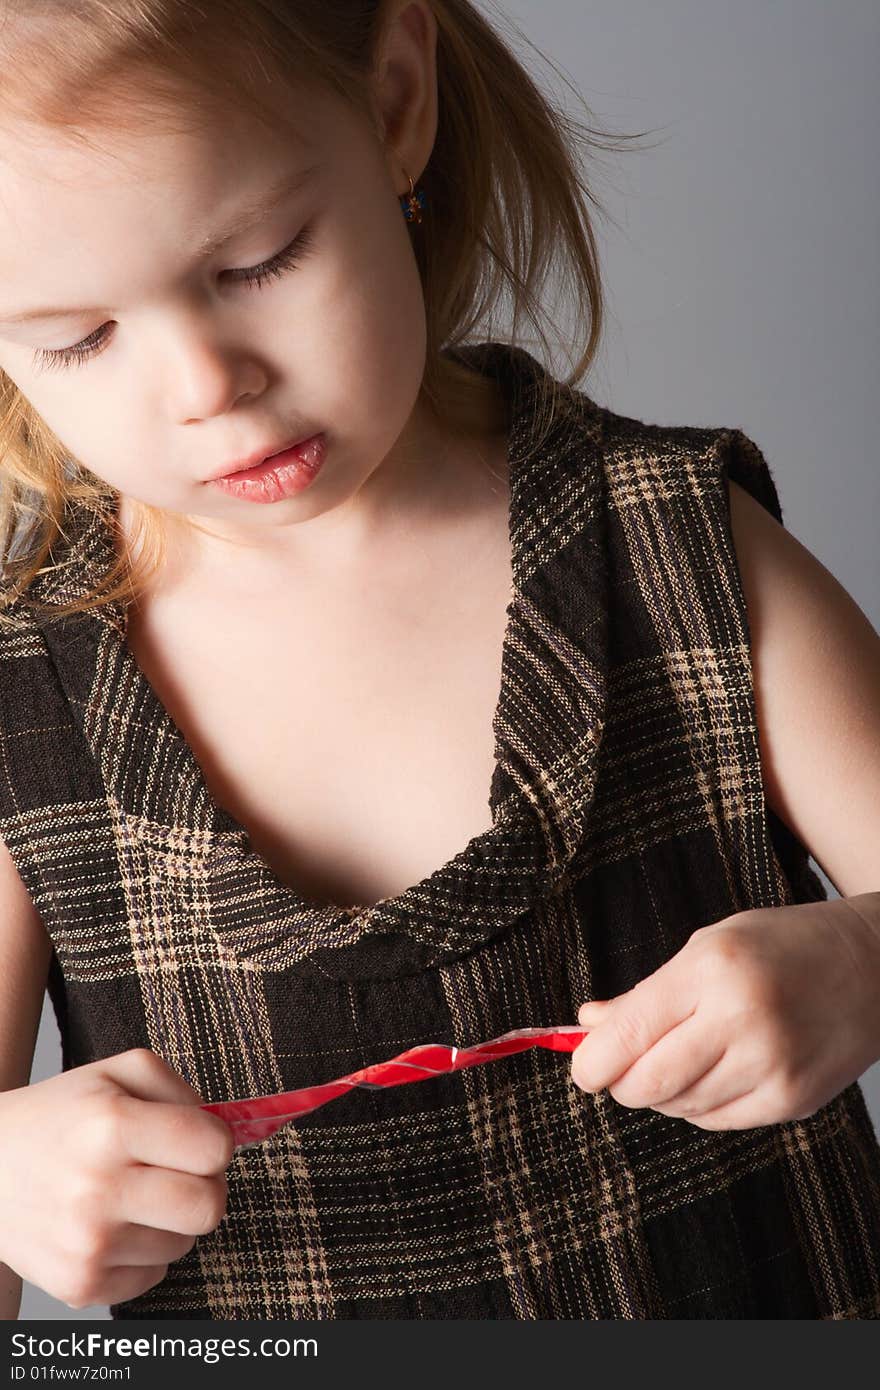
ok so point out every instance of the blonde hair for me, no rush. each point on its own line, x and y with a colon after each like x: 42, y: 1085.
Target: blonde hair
x: 507, y: 198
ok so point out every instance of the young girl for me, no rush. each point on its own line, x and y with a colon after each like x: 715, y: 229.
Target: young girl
x: 475, y: 621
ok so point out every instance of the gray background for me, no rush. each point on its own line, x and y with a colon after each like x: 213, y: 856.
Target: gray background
x: 742, y: 273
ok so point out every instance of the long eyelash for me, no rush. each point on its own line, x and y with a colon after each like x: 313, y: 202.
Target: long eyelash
x: 257, y: 276
x: 278, y: 265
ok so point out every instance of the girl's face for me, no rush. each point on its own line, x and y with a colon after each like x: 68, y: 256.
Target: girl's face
x: 193, y: 367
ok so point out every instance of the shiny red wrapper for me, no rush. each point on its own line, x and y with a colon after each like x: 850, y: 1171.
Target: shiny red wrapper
x: 258, y: 1117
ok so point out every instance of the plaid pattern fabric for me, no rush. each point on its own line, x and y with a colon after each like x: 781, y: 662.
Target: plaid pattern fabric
x: 627, y: 812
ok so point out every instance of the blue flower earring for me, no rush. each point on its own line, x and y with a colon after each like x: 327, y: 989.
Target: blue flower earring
x: 412, y: 202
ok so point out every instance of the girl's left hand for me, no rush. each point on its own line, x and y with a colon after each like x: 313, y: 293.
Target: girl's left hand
x: 759, y: 1019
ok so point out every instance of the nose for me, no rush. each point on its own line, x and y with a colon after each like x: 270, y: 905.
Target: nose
x: 208, y: 370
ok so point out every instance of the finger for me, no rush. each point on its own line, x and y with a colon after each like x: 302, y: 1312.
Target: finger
x: 592, y: 1010
x: 731, y: 1077
x: 672, y: 1066
x: 148, y: 1076
x: 742, y: 1113
x: 706, y: 1092
x: 133, y: 1244
x: 123, y: 1283
x: 636, y: 1021
x: 174, y: 1136
x: 170, y: 1201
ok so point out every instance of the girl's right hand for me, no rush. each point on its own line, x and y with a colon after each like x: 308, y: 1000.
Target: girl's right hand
x: 108, y: 1172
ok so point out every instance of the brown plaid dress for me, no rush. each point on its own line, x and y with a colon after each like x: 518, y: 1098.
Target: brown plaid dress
x: 627, y: 810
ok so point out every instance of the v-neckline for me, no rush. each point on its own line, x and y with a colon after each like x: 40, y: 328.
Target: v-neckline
x: 166, y: 813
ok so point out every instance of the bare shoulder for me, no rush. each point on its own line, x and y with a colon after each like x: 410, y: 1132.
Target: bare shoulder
x: 816, y: 667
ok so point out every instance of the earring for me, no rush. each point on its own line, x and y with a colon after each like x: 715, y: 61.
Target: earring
x: 412, y: 202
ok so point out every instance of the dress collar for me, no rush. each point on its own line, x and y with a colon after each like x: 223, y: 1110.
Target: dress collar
x: 547, y: 727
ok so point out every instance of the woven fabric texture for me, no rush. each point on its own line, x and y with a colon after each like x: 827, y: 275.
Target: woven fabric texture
x: 627, y: 811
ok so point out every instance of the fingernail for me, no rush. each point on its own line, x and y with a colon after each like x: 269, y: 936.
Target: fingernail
x: 590, y: 1009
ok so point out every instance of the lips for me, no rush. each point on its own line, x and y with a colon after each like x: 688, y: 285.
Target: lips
x: 277, y: 477
x: 259, y: 457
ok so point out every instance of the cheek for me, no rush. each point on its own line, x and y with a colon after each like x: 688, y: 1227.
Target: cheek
x: 64, y: 412
x: 367, y: 323
x: 377, y: 277
x: 377, y: 383
x: 393, y: 319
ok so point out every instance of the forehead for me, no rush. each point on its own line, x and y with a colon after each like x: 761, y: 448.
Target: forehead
x: 209, y: 145
x: 59, y: 195
x: 49, y: 164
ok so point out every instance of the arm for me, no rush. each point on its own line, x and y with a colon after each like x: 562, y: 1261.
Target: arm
x: 816, y: 665
x: 765, y: 1016
x: 25, y: 952
x: 10, y: 1294
x: 858, y: 918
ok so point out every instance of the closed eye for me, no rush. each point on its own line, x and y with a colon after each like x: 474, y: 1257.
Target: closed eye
x: 256, y: 276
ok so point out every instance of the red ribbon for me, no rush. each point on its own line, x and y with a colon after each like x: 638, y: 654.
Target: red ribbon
x: 258, y: 1117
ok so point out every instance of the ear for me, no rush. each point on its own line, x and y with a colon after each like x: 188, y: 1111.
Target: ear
x: 405, y: 95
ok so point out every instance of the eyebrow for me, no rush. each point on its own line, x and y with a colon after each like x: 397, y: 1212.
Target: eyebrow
x: 244, y: 219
